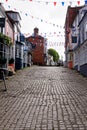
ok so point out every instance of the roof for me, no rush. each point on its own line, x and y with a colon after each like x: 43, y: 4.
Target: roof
x: 71, y: 14
x: 2, y: 9
x: 85, y: 15
x: 11, y: 11
x: 11, y: 20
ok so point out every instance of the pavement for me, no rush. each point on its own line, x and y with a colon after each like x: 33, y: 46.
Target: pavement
x: 44, y: 98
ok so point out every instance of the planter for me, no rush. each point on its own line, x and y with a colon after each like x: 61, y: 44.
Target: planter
x: 11, y: 67
x: 70, y: 64
x: 5, y: 39
x: 11, y: 61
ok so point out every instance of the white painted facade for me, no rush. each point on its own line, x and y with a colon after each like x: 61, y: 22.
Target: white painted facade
x: 80, y: 48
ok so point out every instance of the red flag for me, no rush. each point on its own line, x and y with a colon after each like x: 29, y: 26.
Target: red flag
x: 55, y: 3
x: 78, y: 2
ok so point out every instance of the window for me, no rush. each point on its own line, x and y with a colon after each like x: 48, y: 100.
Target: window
x: 74, y: 39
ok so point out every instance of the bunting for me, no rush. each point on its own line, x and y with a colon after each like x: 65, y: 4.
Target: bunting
x: 49, y: 34
x: 55, y: 2
x: 85, y: 1
x: 37, y: 18
x: 78, y: 2
x: 63, y: 3
x: 56, y: 44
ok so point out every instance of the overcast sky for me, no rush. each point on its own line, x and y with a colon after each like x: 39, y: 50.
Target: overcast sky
x: 39, y: 11
x: 49, y: 18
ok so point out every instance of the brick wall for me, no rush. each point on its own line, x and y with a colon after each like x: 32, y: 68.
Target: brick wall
x: 38, y: 51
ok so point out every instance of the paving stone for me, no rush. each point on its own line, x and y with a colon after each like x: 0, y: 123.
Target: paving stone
x: 44, y: 98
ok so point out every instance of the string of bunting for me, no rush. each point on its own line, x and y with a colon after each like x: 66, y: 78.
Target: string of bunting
x: 55, y: 43
x: 34, y: 17
x: 55, y: 2
x: 49, y: 34
x: 41, y: 20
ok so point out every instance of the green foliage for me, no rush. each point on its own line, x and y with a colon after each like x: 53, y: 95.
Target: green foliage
x: 7, y: 40
x: 11, y: 61
x: 53, y: 53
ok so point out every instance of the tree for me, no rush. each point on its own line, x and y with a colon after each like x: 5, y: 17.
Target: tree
x: 53, y: 53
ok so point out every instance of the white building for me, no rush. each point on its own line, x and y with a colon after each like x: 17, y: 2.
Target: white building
x: 80, y: 47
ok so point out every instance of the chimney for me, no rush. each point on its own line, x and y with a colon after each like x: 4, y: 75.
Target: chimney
x: 36, y: 31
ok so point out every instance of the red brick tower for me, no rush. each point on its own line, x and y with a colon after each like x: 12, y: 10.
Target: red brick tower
x: 38, y: 51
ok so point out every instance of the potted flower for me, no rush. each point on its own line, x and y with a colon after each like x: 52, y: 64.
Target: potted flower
x: 11, y: 61
x: 11, y: 67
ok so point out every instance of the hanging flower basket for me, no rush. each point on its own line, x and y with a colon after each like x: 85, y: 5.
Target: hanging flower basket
x: 5, y: 39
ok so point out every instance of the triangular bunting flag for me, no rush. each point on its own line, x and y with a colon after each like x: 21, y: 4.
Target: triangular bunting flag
x: 78, y: 2
x: 63, y: 3
x: 86, y: 2
x: 55, y: 3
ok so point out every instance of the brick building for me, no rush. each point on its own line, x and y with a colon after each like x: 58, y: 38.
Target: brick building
x: 70, y: 16
x: 38, y: 53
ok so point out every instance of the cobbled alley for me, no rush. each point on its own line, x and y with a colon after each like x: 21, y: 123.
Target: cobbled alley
x: 44, y: 98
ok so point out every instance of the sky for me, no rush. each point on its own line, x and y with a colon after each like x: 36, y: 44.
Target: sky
x: 47, y: 15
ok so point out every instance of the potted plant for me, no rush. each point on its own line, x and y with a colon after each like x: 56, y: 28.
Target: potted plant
x: 11, y: 61
x: 5, y: 39
x: 11, y: 67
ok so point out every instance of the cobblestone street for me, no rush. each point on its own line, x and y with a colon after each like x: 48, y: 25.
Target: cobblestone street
x: 44, y: 98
